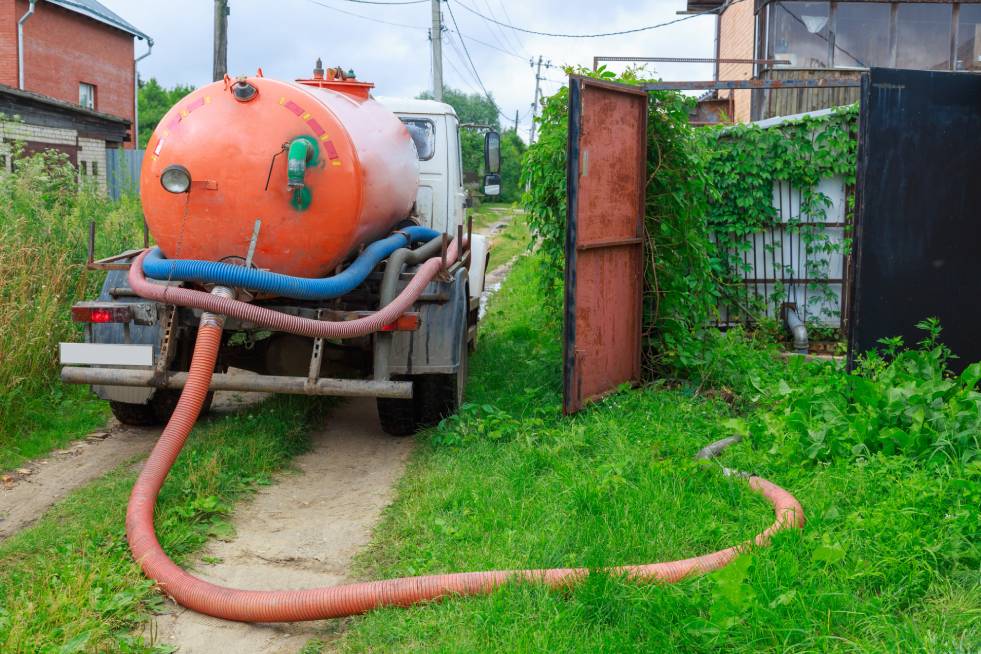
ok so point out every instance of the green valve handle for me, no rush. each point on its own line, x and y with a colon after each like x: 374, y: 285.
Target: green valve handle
x: 303, y: 152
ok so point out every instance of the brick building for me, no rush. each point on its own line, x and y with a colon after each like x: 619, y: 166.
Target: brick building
x: 822, y: 39
x: 73, y: 82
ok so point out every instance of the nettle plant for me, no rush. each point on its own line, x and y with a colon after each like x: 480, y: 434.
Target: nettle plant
x: 900, y: 401
x: 742, y: 163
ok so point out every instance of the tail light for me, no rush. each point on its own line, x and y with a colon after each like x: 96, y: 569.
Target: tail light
x: 101, y: 312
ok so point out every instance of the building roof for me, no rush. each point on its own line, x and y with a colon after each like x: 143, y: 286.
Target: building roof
x: 700, y: 6
x: 96, y: 11
x: 31, y: 97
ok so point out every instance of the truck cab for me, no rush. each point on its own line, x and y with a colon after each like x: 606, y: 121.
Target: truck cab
x: 442, y: 198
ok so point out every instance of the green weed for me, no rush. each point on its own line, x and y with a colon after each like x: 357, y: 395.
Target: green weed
x: 44, y: 218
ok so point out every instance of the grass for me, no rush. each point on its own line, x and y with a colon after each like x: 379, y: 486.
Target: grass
x: 509, y: 242
x: 68, y: 584
x: 44, y: 218
x: 887, y: 562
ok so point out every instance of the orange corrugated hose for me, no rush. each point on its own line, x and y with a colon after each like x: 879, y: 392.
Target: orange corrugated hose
x: 350, y: 599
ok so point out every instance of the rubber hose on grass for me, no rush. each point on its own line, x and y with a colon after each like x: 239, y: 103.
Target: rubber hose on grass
x: 348, y: 599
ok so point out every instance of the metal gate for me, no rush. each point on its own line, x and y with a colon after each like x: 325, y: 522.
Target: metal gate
x: 123, y: 171
x: 604, y: 272
x: 918, y: 236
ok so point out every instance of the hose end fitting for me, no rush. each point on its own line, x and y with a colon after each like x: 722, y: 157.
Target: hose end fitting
x: 217, y: 320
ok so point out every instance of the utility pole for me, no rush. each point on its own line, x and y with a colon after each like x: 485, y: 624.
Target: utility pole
x: 534, y: 104
x: 221, y: 39
x: 516, y: 121
x: 436, y: 36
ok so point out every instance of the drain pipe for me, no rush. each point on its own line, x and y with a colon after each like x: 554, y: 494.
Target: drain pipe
x: 136, y: 92
x: 797, y: 328
x: 20, y: 44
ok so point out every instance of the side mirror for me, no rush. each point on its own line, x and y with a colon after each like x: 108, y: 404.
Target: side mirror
x: 492, y: 153
x: 492, y: 185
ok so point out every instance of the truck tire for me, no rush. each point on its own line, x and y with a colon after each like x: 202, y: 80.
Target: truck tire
x: 434, y: 397
x: 398, y: 417
x: 156, y: 412
x: 163, y: 402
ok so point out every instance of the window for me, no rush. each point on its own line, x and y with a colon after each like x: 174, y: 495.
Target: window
x: 95, y: 169
x: 84, y: 168
x: 969, y: 38
x: 862, y: 35
x: 423, y: 134
x: 923, y: 36
x: 800, y: 33
x: 86, y: 95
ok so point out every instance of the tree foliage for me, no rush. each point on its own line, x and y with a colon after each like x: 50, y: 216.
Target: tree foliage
x: 155, y: 101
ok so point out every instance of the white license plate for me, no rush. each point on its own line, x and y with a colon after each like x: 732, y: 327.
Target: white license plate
x: 103, y: 354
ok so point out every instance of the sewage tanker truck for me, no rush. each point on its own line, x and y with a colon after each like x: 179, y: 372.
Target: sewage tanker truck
x: 301, y: 228
x: 330, y: 223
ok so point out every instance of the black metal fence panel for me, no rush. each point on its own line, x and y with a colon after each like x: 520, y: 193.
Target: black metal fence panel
x: 918, y: 228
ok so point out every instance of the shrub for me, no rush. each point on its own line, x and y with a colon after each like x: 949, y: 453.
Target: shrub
x: 44, y: 217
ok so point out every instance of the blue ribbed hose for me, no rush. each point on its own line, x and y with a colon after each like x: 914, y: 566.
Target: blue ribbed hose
x: 156, y: 266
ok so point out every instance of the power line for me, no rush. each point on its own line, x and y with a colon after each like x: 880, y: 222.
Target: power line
x: 375, y: 2
x: 497, y: 29
x: 488, y: 45
x: 362, y: 16
x: 467, y: 52
x: 511, y: 32
x: 600, y: 34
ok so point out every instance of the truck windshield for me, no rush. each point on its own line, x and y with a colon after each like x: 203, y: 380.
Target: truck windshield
x: 423, y: 134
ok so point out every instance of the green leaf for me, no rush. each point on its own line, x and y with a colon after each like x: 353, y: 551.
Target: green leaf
x: 828, y: 553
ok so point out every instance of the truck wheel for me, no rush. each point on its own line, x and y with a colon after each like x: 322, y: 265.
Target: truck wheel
x: 440, y: 396
x: 398, y: 417
x: 434, y: 397
x: 156, y: 412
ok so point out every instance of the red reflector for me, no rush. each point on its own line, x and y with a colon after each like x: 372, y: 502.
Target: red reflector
x: 408, y: 322
x: 100, y: 315
x: 89, y: 313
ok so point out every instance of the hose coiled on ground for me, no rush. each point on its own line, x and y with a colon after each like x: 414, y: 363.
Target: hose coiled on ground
x: 348, y: 599
x: 156, y: 266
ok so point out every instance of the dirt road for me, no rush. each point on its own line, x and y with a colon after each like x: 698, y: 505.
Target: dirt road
x: 36, y: 486
x: 300, y: 532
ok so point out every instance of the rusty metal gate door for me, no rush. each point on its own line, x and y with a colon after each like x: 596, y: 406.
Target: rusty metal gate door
x: 604, y: 272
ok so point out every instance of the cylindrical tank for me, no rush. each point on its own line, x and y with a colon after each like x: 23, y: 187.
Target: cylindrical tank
x: 233, y: 138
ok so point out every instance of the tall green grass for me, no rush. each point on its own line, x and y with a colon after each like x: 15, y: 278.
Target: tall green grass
x: 44, y: 218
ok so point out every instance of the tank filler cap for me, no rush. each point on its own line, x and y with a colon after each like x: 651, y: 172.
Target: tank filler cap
x: 243, y: 90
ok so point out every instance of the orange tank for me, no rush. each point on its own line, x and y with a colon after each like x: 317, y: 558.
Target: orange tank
x: 233, y: 140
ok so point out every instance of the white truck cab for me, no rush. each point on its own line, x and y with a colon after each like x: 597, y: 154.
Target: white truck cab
x: 441, y: 201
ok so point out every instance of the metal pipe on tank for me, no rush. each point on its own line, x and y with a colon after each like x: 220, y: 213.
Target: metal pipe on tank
x: 20, y: 44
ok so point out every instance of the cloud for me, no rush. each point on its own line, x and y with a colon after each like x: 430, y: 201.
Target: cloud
x: 286, y: 37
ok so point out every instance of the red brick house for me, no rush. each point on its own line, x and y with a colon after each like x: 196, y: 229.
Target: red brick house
x: 823, y: 39
x: 68, y: 69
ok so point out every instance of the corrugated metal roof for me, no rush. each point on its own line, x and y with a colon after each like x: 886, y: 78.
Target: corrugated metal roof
x: 96, y: 11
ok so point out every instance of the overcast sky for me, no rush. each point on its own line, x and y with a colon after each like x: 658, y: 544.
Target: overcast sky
x: 285, y: 37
